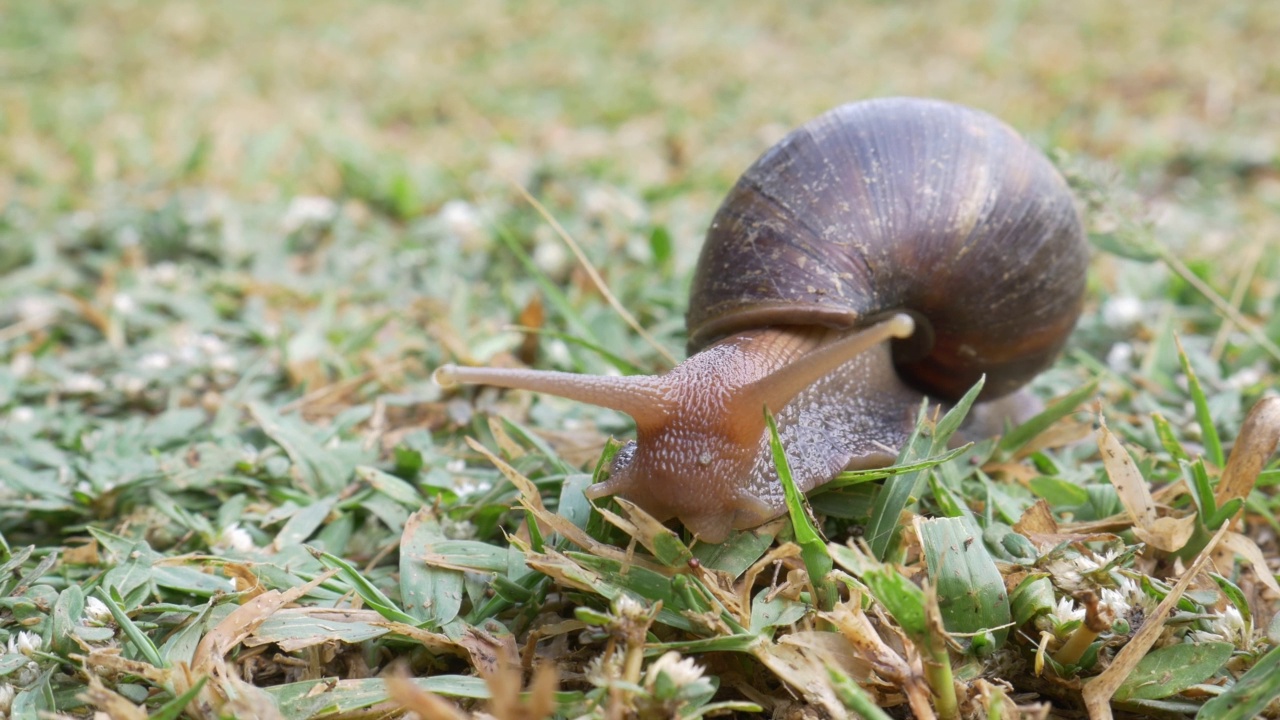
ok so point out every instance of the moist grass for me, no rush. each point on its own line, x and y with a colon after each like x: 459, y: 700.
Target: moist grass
x: 236, y: 238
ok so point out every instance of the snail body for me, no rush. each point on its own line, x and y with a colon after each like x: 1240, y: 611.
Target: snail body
x: 887, y: 251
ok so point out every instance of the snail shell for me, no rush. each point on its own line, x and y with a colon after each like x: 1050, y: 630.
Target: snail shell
x: 902, y: 204
x: 887, y: 251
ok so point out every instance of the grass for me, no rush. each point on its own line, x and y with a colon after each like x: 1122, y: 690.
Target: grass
x: 237, y: 237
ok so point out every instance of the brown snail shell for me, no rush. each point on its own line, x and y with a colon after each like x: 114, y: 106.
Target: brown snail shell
x: 920, y: 220
x: 902, y: 204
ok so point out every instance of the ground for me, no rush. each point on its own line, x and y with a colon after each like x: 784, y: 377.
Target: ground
x: 237, y: 237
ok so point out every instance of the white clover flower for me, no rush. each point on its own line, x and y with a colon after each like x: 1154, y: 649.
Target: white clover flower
x: 211, y: 344
x: 627, y: 607
x: 1068, y: 572
x: 1226, y: 627
x: 603, y: 668
x: 21, y: 415
x: 82, y: 384
x: 308, y: 209
x: 1120, y: 357
x: 128, y: 384
x: 457, y: 529
x: 680, y: 671
x: 1122, y: 312
x: 155, y: 361
x: 27, y: 643
x: 35, y: 309
x: 124, y: 303
x: 551, y: 257
x: 7, y: 694
x: 96, y: 611
x: 22, y: 365
x: 164, y: 273
x: 224, y: 363
x: 1066, y: 611
x: 463, y: 221
x: 236, y: 538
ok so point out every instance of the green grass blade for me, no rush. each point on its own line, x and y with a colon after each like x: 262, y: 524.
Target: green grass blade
x: 813, y: 549
x: 1208, y: 433
x: 1018, y: 437
x: 131, y: 630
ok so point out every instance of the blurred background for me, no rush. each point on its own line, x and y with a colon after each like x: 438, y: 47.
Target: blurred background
x: 264, y: 99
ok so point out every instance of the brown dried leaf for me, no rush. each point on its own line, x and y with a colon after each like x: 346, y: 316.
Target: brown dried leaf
x: 1164, y: 533
x: 1246, y: 548
x: 115, y: 705
x: 856, y: 627
x: 531, y: 316
x: 1254, y: 446
x: 532, y: 502
x: 86, y: 554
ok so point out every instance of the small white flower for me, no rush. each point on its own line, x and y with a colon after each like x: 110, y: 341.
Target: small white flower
x: 164, y: 273
x: 1120, y: 357
x: 235, y: 538
x: 124, y: 303
x: 82, y: 384
x: 627, y: 607
x: 463, y: 222
x: 211, y: 344
x: 155, y: 361
x: 96, y: 611
x: 128, y: 384
x: 1067, y: 611
x: 27, y: 643
x: 306, y: 210
x: 22, y: 365
x: 6, y: 698
x: 457, y: 529
x: 224, y: 363
x: 21, y: 415
x: 1122, y: 312
x: 551, y: 258
x: 35, y: 309
x: 681, y: 671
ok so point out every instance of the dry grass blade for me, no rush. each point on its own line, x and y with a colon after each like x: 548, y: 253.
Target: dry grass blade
x: 1165, y: 533
x: 1099, y: 690
x: 598, y: 281
x: 532, y: 502
x: 427, y: 705
x: 225, y: 689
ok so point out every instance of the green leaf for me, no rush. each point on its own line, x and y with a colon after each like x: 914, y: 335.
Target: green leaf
x: 1015, y: 439
x: 432, y: 595
x: 737, y: 553
x: 813, y: 549
x: 902, y: 598
x: 365, y: 589
x: 1208, y: 432
x: 145, y: 647
x: 971, y: 592
x: 1172, y: 669
x: 898, y: 492
x: 1168, y: 438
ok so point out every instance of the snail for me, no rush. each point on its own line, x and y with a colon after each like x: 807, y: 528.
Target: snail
x: 887, y: 251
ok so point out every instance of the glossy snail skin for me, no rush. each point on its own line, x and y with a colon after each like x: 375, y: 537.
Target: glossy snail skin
x: 886, y: 251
